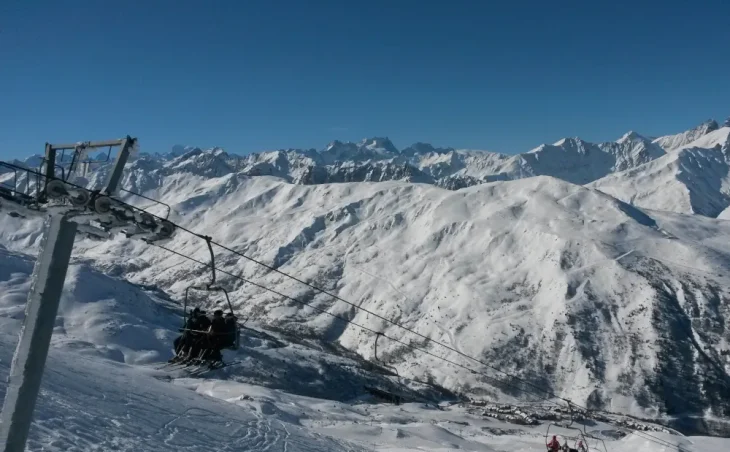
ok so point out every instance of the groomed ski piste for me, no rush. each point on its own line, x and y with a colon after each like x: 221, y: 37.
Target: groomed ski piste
x: 102, y: 389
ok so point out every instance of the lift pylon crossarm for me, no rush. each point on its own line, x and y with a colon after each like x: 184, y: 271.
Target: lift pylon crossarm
x: 89, y: 144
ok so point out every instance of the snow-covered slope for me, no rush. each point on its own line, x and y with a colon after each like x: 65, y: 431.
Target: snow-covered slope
x: 580, y: 162
x: 562, y: 285
x: 91, y: 400
x: 694, y: 178
x: 719, y: 138
x: 673, y: 142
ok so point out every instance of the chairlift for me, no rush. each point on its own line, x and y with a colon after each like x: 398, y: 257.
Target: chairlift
x: 211, y: 287
x: 586, y: 435
x: 581, y: 435
x: 381, y: 363
x: 389, y: 395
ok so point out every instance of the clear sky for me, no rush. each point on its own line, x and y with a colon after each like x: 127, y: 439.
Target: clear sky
x: 250, y: 75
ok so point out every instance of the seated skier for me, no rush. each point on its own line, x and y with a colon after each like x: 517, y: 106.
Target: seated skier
x: 554, y: 445
x: 199, y: 338
x: 216, y: 337
x: 183, y: 343
x: 231, y: 330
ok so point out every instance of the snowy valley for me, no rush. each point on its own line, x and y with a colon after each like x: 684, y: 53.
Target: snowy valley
x: 596, y: 272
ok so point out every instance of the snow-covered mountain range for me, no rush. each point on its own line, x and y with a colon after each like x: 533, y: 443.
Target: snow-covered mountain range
x: 592, y: 270
x: 685, y: 172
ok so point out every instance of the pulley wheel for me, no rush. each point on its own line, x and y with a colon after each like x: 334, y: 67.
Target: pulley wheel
x: 166, y: 229
x: 56, y: 189
x: 80, y: 198
x: 102, y: 205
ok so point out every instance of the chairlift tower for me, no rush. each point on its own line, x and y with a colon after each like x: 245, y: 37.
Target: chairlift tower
x: 69, y: 208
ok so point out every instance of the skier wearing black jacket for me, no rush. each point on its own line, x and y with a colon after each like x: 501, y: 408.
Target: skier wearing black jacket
x: 190, y: 331
x: 216, y: 336
x: 230, y: 337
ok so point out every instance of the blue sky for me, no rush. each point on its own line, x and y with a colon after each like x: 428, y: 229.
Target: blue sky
x: 254, y: 75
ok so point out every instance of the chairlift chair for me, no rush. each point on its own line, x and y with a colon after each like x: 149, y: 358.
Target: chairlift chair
x: 211, y: 287
x: 581, y: 434
x: 578, y: 437
x: 588, y: 447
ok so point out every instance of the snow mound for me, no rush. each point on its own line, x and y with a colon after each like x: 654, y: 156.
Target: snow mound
x: 98, y: 314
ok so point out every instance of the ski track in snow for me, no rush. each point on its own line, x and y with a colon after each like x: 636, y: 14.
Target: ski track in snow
x: 91, y: 405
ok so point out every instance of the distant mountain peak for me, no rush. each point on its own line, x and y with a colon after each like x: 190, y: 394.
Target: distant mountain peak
x: 676, y: 141
x: 376, y: 148
x: 379, y: 144
x: 711, y: 125
x: 333, y: 144
x: 569, y: 141
x: 421, y: 148
x: 631, y: 136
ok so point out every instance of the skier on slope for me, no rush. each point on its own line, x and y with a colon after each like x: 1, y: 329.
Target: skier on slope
x: 554, y: 445
x: 581, y: 447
